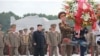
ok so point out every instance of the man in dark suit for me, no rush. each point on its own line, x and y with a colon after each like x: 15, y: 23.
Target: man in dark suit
x: 39, y: 41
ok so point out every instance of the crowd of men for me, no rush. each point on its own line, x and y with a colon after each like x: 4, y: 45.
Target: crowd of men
x: 40, y: 42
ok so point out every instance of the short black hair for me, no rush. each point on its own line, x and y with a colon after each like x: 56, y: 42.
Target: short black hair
x: 59, y: 14
x: 20, y: 31
x: 39, y: 25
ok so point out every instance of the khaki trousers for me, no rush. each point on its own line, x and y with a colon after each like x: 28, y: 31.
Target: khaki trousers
x: 1, y: 51
x: 53, y: 50
x: 14, y: 51
x: 66, y: 50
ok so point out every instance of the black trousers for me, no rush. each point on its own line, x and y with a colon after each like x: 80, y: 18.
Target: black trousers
x: 39, y: 51
x: 83, y: 50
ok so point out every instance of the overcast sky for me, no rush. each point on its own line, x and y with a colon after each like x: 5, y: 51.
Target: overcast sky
x: 21, y: 7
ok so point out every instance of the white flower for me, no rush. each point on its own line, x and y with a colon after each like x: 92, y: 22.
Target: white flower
x: 86, y: 16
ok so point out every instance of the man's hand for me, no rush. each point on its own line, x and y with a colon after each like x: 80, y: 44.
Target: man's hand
x: 34, y: 43
x: 77, y: 36
x: 67, y: 40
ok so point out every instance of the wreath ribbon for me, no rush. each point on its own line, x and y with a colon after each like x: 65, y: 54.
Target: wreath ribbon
x: 84, y: 7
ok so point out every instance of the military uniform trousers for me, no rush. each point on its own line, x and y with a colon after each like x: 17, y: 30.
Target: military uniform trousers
x: 1, y: 51
x: 13, y: 51
x: 24, y: 50
x: 53, y: 50
x: 66, y: 49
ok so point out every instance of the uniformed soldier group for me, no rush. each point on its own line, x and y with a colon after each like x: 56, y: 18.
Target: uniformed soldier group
x: 39, y: 42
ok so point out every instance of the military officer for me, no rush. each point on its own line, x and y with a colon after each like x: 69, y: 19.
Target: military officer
x: 66, y: 32
x: 31, y: 47
x: 2, y: 42
x: 54, y: 39
x: 13, y: 40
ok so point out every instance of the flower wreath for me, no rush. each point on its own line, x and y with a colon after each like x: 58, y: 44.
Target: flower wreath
x: 84, y: 15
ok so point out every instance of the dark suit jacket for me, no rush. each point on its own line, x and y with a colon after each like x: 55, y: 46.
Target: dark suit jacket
x: 39, y: 39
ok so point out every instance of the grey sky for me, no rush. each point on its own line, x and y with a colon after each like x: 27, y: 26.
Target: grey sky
x: 21, y: 7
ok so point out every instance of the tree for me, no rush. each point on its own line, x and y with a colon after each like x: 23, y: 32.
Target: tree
x: 5, y: 19
x: 50, y: 17
x: 71, y: 8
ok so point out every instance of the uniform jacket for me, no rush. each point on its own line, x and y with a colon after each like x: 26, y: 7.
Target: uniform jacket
x: 39, y: 39
x: 54, y: 38
x: 13, y: 39
x: 66, y: 31
x: 2, y: 40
